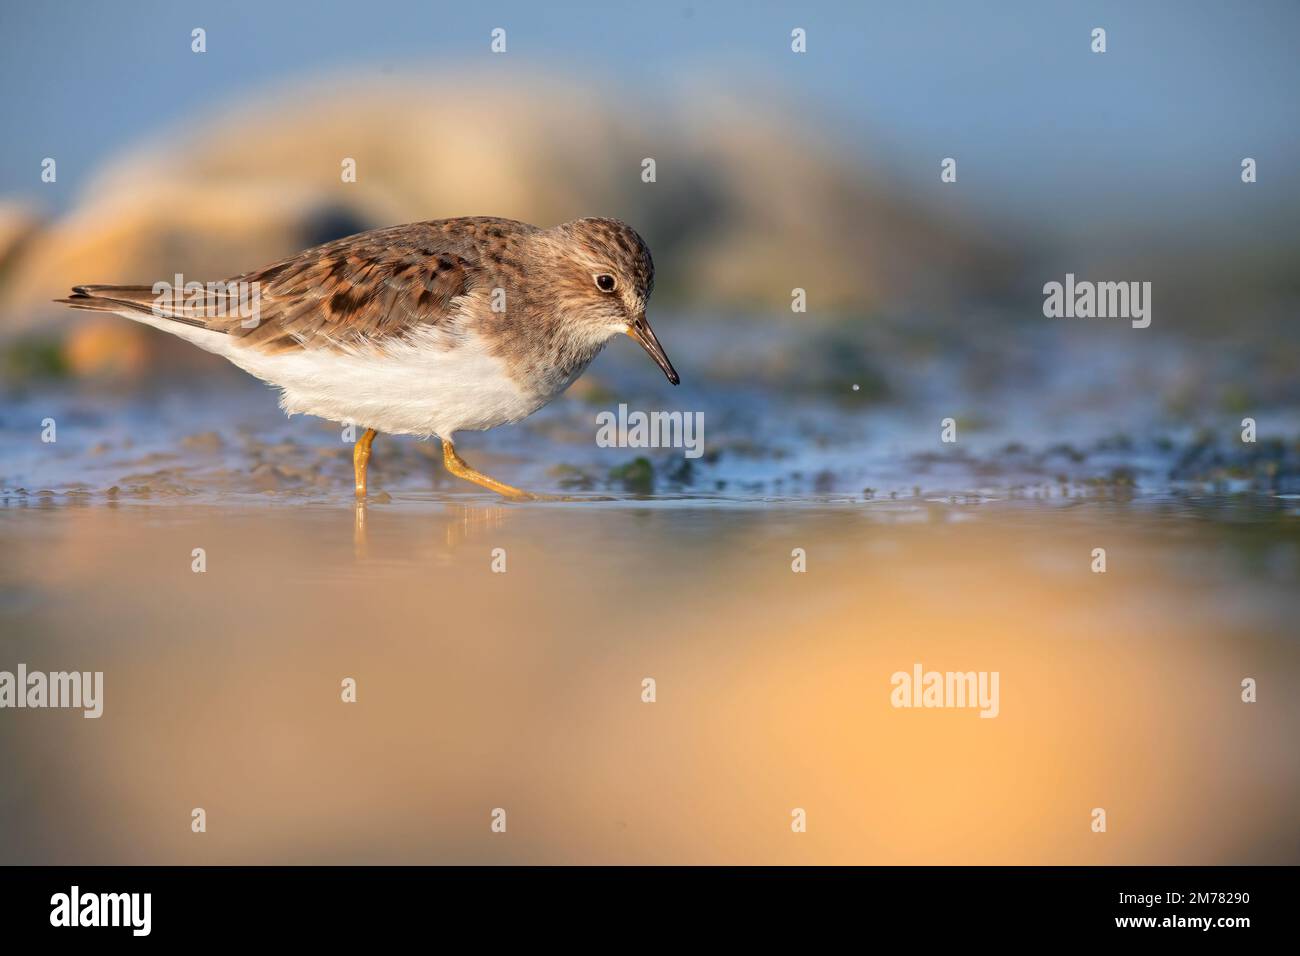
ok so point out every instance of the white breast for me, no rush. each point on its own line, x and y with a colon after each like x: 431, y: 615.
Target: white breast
x: 433, y: 382
x: 412, y: 387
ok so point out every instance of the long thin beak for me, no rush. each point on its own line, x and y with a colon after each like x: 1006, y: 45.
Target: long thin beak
x: 641, y: 331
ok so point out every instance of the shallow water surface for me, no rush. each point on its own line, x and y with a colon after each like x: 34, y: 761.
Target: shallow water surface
x: 523, y: 690
x: 500, y: 650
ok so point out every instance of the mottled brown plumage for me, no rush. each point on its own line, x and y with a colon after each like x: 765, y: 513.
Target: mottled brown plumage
x: 359, y: 290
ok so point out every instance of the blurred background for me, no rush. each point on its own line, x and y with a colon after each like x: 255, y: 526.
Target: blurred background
x: 774, y: 171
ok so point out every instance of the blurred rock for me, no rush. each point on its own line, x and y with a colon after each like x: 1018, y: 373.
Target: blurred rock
x: 18, y: 224
x: 104, y: 346
x: 747, y: 204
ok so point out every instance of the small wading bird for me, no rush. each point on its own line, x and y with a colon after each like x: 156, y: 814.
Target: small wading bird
x: 425, y: 329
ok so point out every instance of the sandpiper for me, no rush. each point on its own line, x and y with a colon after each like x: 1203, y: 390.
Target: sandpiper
x: 425, y: 329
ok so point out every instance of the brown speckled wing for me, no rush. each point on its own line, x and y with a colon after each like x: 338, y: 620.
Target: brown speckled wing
x: 364, y: 289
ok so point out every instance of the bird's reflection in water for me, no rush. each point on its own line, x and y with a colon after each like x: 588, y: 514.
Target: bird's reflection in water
x: 461, y: 523
x: 360, y: 536
x: 468, y: 522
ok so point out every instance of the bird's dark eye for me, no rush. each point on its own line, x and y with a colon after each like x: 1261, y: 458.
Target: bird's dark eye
x: 605, y: 282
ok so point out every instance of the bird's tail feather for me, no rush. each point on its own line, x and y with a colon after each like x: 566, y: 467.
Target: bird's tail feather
x: 144, y: 300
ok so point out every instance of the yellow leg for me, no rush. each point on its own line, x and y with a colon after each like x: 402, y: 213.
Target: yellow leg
x: 360, y: 458
x: 456, y: 465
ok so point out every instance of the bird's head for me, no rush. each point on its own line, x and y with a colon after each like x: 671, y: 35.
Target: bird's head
x: 604, y: 281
